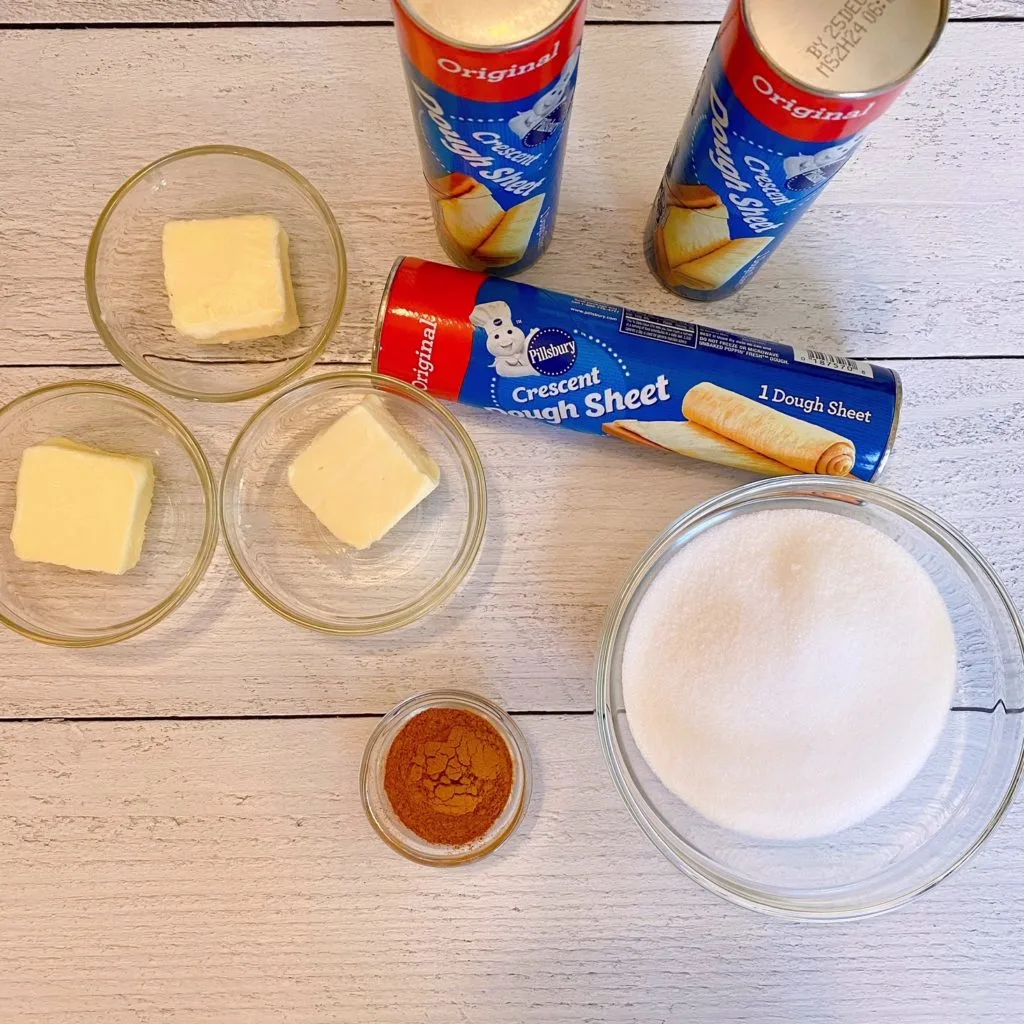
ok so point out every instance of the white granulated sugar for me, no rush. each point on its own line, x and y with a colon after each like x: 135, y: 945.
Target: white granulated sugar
x: 843, y: 47
x: 789, y: 672
x: 489, y: 22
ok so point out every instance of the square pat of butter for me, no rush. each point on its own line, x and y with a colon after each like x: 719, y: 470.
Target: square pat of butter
x: 363, y: 474
x: 229, y: 279
x: 81, y: 507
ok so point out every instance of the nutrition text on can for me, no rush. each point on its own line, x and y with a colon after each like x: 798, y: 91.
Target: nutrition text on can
x: 665, y: 384
x: 491, y: 87
x: 783, y: 103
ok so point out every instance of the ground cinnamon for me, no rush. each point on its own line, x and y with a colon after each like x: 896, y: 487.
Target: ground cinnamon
x: 448, y: 776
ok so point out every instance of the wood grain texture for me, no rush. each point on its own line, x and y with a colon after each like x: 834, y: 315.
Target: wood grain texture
x: 98, y: 12
x: 908, y: 253
x: 525, y: 627
x: 224, y: 872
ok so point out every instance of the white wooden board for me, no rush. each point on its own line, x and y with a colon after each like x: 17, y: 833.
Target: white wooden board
x: 98, y: 12
x: 910, y: 252
x: 525, y: 627
x: 221, y: 871
x: 224, y: 873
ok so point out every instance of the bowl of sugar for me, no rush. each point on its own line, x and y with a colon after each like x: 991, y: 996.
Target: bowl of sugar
x: 806, y: 696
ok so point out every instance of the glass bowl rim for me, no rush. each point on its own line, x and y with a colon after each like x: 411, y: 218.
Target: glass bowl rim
x: 507, y: 728
x: 672, y: 846
x: 208, y: 544
x: 473, y: 536
x: 139, y: 369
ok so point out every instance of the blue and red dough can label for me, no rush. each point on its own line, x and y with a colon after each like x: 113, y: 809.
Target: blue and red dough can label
x: 665, y: 384
x: 492, y: 127
x: 754, y: 153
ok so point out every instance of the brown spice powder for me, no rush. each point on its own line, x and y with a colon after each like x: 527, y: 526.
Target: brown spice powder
x: 448, y: 776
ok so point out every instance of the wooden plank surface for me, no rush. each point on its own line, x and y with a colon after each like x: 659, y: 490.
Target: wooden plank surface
x: 908, y: 253
x: 98, y: 12
x: 224, y: 872
x: 525, y: 627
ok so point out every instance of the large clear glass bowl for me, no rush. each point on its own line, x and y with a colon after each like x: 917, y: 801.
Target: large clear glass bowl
x: 946, y: 813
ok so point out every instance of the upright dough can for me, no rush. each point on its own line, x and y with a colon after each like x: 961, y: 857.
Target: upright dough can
x: 491, y: 109
x: 665, y: 384
x: 784, y: 102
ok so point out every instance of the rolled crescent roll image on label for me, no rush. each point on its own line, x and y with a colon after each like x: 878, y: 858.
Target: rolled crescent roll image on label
x: 715, y: 269
x: 693, y: 245
x: 696, y: 197
x: 508, y: 241
x: 469, y: 213
x: 804, y: 446
x: 696, y: 442
x: 451, y: 186
x: 474, y: 223
x: 689, y: 234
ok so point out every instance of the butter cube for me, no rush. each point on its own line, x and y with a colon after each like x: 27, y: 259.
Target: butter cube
x: 81, y: 507
x: 363, y: 474
x: 229, y: 279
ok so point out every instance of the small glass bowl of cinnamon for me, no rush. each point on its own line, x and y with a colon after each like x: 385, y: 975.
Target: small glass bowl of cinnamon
x: 445, y: 778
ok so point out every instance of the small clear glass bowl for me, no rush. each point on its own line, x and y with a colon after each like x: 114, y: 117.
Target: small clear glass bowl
x: 55, y: 605
x: 378, y: 806
x: 298, y: 568
x: 944, y: 815
x: 124, y: 274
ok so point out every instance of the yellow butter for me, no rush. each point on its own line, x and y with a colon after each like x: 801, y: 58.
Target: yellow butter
x: 363, y: 474
x: 81, y: 507
x: 229, y: 279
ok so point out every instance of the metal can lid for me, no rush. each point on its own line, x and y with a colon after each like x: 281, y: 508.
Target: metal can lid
x: 863, y: 49
x: 555, y: 14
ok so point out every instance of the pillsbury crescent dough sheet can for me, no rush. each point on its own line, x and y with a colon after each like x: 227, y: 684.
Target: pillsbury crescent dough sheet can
x: 491, y: 84
x: 665, y: 384
x: 783, y: 104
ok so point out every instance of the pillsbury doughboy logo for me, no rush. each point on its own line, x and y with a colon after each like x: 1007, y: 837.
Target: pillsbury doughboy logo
x: 537, y: 125
x: 805, y: 171
x: 546, y: 351
x: 506, y: 340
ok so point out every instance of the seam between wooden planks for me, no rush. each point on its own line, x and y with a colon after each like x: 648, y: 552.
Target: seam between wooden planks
x: 365, y: 363
x: 73, y: 26
x: 345, y: 716
x: 297, y: 717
